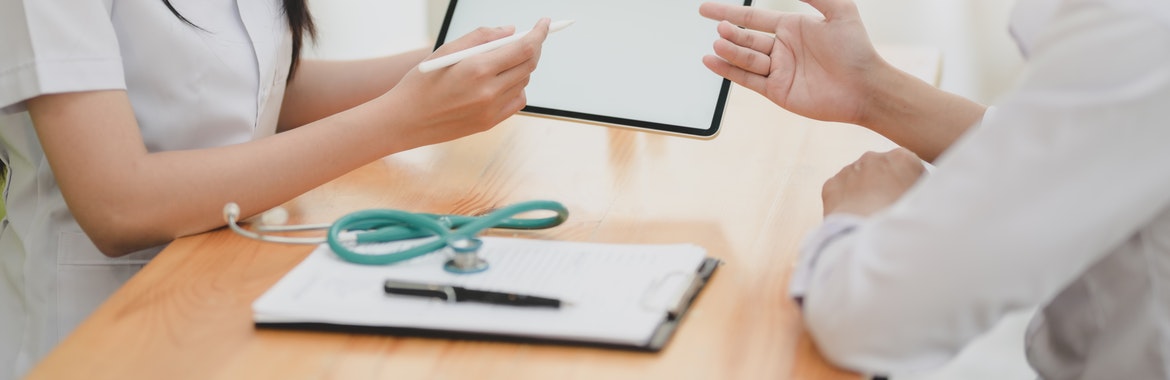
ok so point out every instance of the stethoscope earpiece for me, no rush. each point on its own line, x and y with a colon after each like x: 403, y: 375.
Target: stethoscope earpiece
x: 231, y: 212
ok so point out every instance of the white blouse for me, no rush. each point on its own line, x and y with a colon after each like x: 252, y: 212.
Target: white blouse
x: 1060, y: 198
x: 219, y: 83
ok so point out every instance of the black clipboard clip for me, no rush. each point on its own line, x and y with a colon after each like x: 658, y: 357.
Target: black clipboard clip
x: 685, y: 285
x: 676, y: 307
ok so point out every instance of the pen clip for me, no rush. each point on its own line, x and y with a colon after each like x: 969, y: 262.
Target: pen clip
x: 446, y: 292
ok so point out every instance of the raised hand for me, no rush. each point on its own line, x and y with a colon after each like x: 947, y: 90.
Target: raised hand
x: 818, y: 67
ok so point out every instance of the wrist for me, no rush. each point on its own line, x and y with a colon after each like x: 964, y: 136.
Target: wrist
x: 915, y: 114
x: 396, y: 119
x: 887, y: 98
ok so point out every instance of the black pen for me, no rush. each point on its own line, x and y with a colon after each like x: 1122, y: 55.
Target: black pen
x: 453, y: 293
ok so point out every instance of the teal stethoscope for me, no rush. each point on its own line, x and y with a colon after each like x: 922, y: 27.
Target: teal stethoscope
x: 457, y: 232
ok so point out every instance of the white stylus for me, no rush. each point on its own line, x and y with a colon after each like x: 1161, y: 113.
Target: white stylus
x: 453, y: 58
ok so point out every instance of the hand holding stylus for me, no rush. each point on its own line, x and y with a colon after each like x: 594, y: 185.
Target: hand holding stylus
x: 453, y: 58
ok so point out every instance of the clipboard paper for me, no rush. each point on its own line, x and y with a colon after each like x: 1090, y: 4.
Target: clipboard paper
x: 622, y: 295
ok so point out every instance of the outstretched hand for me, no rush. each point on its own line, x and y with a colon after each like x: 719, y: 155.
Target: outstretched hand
x: 816, y: 67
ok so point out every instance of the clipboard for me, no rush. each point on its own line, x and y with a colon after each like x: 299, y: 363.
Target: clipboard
x: 296, y: 301
x: 595, y: 72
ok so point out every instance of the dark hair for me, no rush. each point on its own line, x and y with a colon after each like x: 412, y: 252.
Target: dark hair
x: 299, y: 21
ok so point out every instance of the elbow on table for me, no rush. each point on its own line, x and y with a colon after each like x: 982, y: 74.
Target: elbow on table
x: 843, y: 343
x: 119, y: 233
x: 872, y: 340
x: 115, y: 248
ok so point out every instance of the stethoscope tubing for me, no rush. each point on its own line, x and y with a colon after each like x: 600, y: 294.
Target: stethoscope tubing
x: 384, y: 225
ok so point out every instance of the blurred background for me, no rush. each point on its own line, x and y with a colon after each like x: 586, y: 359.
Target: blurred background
x: 979, y: 61
x: 979, y: 57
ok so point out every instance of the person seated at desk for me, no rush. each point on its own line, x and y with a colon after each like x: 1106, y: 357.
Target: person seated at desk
x: 127, y: 124
x: 1058, y: 196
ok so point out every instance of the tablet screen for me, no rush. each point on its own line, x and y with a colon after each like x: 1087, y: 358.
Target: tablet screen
x: 632, y: 63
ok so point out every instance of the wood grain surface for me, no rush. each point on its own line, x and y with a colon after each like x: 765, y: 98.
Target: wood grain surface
x: 748, y: 196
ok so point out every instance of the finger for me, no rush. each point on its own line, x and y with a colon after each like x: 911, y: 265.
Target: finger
x: 744, y: 58
x: 514, y: 54
x: 479, y: 36
x: 870, y: 156
x: 757, y: 41
x: 507, y: 103
x: 540, y: 30
x: 518, y: 75
x: 897, y: 155
x: 907, y: 160
x: 904, y: 154
x: 835, y: 9
x: 752, y: 18
x: 517, y: 100
x: 752, y: 81
x: 521, y: 72
x: 831, y: 190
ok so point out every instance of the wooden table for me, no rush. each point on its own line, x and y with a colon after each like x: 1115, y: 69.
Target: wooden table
x: 748, y: 196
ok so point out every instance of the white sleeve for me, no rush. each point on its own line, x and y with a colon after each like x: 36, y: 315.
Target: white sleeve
x: 835, y: 227
x: 1067, y: 168
x: 55, y: 46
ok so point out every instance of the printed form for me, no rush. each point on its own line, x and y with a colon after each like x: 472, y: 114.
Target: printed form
x: 616, y: 293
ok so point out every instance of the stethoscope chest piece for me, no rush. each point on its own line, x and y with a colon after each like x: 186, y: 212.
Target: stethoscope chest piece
x: 466, y: 259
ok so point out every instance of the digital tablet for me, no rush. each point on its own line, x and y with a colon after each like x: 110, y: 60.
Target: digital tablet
x: 626, y: 63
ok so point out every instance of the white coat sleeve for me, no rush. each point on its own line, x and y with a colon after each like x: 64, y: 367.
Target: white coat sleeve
x: 1064, y: 170
x: 56, y: 46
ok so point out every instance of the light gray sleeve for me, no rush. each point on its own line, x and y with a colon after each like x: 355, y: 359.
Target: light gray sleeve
x: 1064, y: 170
x: 56, y: 46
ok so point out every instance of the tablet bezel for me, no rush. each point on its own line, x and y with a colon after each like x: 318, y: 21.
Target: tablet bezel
x: 641, y: 125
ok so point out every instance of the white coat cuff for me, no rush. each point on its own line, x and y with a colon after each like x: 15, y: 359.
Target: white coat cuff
x: 832, y: 229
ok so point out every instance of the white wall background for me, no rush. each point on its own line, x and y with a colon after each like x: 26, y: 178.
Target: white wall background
x: 979, y: 62
x: 351, y: 29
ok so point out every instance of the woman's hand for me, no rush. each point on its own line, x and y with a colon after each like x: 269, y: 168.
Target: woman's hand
x: 816, y: 67
x: 473, y: 95
x: 872, y: 183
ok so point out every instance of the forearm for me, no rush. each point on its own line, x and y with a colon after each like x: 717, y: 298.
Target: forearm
x: 134, y: 199
x: 321, y: 88
x: 915, y: 114
x: 257, y: 175
x: 126, y: 198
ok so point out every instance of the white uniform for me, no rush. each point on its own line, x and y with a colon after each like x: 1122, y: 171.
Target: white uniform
x: 189, y: 88
x: 1060, y: 198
